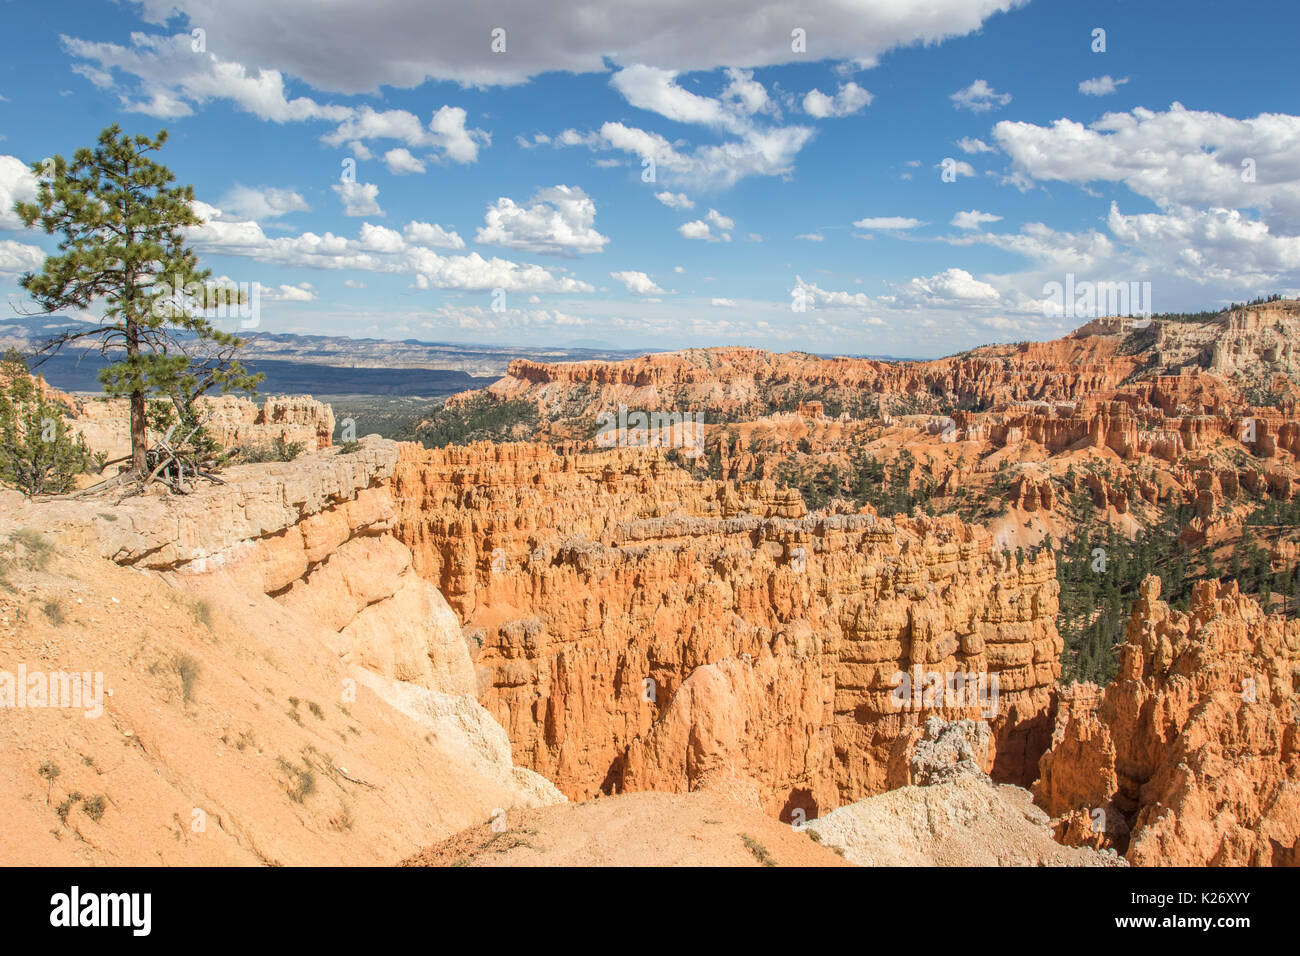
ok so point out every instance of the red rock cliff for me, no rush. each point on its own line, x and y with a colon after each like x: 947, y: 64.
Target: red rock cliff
x: 639, y: 629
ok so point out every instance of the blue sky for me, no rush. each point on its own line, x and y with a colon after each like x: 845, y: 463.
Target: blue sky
x: 783, y: 178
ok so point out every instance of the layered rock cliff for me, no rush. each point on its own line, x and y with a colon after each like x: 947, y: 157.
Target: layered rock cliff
x: 302, y: 554
x: 104, y: 423
x: 1191, y: 757
x: 639, y: 629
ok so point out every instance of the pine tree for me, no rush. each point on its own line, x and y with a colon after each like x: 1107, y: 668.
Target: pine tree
x: 121, y: 223
x: 38, y: 455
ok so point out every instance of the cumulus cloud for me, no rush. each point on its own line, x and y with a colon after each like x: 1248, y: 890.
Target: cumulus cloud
x: 400, y: 161
x: 755, y: 149
x: 165, y: 77
x: 1176, y: 157
x: 446, y: 132
x: 675, y: 200
x: 303, y: 292
x: 17, y: 184
x: 969, y: 144
x: 654, y: 89
x: 246, y: 202
x: 723, y: 303
x: 702, y: 228
x: 171, y: 78
x: 817, y: 297
x: 979, y: 97
x: 973, y: 219
x: 559, y: 221
x: 359, y: 199
x: 396, y: 43
x: 376, y: 249
x: 719, y: 220
x: 638, y: 283
x: 959, y: 167
x: 848, y: 100
x: 952, y: 287
x: 19, y: 257
x: 433, y: 235
x: 888, y: 223
x: 1101, y: 85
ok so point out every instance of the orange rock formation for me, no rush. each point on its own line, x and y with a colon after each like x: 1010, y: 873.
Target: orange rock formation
x: 639, y: 629
x: 1190, y: 756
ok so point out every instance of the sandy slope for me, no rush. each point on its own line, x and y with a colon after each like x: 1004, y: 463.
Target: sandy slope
x: 636, y: 829
x: 267, y: 760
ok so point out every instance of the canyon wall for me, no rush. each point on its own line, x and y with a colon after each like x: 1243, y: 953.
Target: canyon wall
x: 104, y: 423
x: 635, y: 628
x: 315, y: 535
x: 1191, y: 756
x: 748, y: 380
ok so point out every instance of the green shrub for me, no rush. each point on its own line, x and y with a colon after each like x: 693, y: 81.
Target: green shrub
x: 38, y: 455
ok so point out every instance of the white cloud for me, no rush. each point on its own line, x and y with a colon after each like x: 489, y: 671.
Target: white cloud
x: 18, y: 257
x: 380, y: 239
x: 559, y: 221
x: 1177, y: 157
x: 888, y: 223
x: 979, y: 97
x: 303, y: 292
x: 638, y: 283
x: 377, y: 249
x: 696, y: 229
x: 400, y: 161
x: 431, y: 234
x: 1220, y: 246
x: 822, y: 298
x: 172, y: 79
x: 397, y: 43
x: 675, y: 200
x: 723, y: 303
x: 1101, y: 85
x: 959, y: 167
x: 973, y: 219
x: 246, y: 202
x: 359, y: 199
x: 969, y: 144
x: 848, y: 100
x: 947, y: 288
x: 354, y: 284
x: 654, y: 89
x: 169, y: 80
x: 811, y: 236
x: 719, y: 220
x: 17, y: 184
x: 446, y: 132
x: 755, y: 150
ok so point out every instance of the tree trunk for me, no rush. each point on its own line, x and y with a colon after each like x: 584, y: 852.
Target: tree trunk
x: 138, y: 439
x: 139, y: 442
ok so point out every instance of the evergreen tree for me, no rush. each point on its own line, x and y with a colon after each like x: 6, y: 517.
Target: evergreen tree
x: 38, y: 455
x: 122, y: 243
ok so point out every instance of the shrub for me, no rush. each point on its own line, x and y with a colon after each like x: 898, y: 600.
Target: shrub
x: 38, y: 455
x: 94, y: 807
x: 187, y: 669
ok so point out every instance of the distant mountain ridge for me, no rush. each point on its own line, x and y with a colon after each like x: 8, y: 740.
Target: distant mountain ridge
x: 321, y: 364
